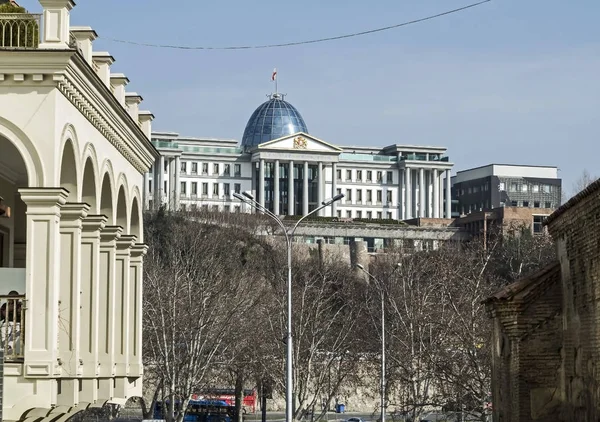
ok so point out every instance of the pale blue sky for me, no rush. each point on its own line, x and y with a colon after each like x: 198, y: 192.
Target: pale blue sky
x: 511, y: 81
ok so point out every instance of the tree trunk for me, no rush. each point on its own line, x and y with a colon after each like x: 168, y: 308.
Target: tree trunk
x: 239, y: 396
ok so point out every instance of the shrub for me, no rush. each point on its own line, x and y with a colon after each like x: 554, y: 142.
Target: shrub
x: 18, y: 31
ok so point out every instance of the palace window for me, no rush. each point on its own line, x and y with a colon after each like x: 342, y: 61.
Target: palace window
x: 194, y: 168
x: 227, y: 169
x: 237, y: 170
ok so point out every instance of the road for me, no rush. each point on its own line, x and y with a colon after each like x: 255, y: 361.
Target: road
x: 330, y: 417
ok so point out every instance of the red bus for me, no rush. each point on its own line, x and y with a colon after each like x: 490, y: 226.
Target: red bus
x: 227, y: 395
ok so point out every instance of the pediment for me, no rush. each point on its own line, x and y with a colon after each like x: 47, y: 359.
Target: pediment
x: 299, y: 142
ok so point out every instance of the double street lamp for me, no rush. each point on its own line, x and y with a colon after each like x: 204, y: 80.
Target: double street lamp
x: 382, y: 289
x: 289, y: 235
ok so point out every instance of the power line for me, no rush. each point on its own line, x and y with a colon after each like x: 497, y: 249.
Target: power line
x: 289, y: 44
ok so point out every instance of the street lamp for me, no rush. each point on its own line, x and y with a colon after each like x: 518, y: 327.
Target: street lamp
x: 362, y: 268
x: 289, y: 235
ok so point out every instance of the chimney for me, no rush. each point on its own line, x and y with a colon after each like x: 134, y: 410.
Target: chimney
x: 103, y: 60
x: 85, y: 36
x: 146, y: 118
x: 119, y: 81
x: 132, y: 101
x: 56, y: 24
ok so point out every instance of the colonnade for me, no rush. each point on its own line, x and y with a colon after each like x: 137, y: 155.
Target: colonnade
x: 83, y: 326
x: 424, y: 195
x: 159, y: 194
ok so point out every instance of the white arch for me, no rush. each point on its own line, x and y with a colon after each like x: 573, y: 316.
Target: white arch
x: 70, y: 135
x: 30, y: 155
x: 136, y: 197
x: 89, y: 153
x: 107, y: 170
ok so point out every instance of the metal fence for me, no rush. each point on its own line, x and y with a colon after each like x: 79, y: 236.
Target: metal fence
x: 19, y: 30
x: 12, y: 326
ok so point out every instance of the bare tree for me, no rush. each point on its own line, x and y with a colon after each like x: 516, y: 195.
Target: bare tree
x: 323, y: 325
x: 196, y: 286
x: 584, y: 180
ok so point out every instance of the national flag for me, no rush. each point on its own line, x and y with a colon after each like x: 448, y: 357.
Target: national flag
x: 274, y: 75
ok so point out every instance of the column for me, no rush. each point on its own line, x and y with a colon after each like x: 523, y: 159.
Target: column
x: 441, y: 193
x: 305, y: 189
x: 334, y: 189
x: 90, y: 291
x: 448, y: 195
x: 276, y: 193
x: 421, y: 192
x: 177, y: 182
x: 261, y: 182
x: 135, y: 322
x: 106, y: 330
x: 401, y: 196
x: 291, y: 189
x: 42, y: 279
x: 171, y: 184
x: 146, y: 190
x: 408, y: 189
x: 436, y: 194
x: 123, y: 312
x: 161, y: 180
x: 156, y: 183
x: 320, y: 186
x: 71, y: 219
x: 429, y: 193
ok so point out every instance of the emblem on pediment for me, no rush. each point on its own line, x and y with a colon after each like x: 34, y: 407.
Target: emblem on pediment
x: 300, y: 142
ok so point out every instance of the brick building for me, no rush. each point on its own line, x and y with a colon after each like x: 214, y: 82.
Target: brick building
x: 546, y: 342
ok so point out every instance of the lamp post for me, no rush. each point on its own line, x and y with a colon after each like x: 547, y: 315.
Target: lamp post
x: 362, y: 268
x: 289, y: 235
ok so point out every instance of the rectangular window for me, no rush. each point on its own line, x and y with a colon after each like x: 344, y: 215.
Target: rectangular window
x: 548, y: 204
x: 348, y: 195
x: 379, y: 176
x: 183, y: 167
x: 237, y: 170
x: 165, y: 186
x: 538, y: 221
x: 348, y: 214
x: 237, y: 188
x: 524, y: 188
x: 379, y: 196
x: 359, y: 195
x: 166, y: 165
x: 227, y: 169
x: 339, y: 213
x: 526, y: 204
x: 338, y: 174
x: 369, y: 175
x: 339, y: 190
x: 536, y: 204
x: 514, y: 203
x: 216, y: 168
x: 194, y: 188
x: 237, y: 209
x: 215, y: 189
x: 204, y: 168
x: 369, y: 195
x: 226, y: 189
x: 514, y: 187
x: 390, y: 177
x: 227, y: 208
x: 379, y: 215
x: 204, y: 188
x: 535, y: 188
x: 358, y: 214
x: 369, y: 214
x: 183, y: 187
x: 149, y: 185
x: 501, y: 186
x: 547, y: 189
x: 194, y: 168
x: 348, y: 175
x: 359, y: 175
x: 389, y: 197
x: 389, y: 215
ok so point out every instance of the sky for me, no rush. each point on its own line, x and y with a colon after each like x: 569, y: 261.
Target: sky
x: 510, y: 81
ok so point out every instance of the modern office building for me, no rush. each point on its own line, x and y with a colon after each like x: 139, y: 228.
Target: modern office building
x: 505, y: 185
x: 290, y: 172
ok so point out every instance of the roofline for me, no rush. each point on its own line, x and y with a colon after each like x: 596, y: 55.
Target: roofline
x: 590, y: 189
x: 507, y: 165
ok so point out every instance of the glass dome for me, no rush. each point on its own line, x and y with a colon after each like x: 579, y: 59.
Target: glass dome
x: 271, y: 120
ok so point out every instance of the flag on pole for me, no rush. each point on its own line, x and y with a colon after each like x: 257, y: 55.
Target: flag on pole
x: 274, y: 75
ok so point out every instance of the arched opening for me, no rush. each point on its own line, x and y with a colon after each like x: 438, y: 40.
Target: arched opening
x: 106, y: 199
x: 13, y: 217
x: 88, y: 186
x: 135, y: 226
x: 68, y: 171
x: 122, y: 210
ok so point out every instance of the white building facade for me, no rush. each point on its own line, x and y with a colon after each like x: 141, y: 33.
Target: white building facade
x: 74, y: 151
x: 394, y: 182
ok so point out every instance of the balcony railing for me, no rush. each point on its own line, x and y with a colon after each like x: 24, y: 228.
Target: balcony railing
x: 12, y: 326
x: 19, y: 30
